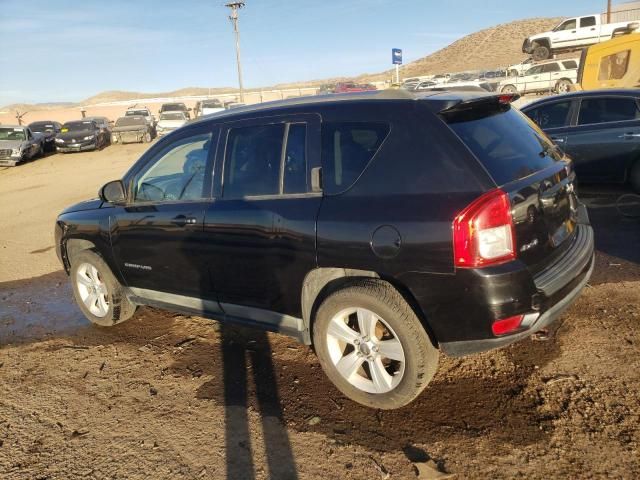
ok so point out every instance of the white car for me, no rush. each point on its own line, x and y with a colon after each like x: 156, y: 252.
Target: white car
x: 519, y: 68
x: 170, y: 121
x: 577, y: 32
x: 557, y: 76
x: 211, y: 106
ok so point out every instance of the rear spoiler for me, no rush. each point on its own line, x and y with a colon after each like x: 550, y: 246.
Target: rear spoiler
x: 485, y: 101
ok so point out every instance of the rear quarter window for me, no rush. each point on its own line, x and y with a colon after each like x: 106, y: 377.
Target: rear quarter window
x: 507, y: 143
x: 554, y: 115
x: 347, y: 149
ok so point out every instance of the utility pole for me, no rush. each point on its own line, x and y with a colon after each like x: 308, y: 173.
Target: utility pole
x: 608, y: 11
x: 235, y: 6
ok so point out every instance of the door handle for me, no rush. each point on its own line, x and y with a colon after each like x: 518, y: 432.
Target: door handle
x: 183, y: 220
x: 557, y: 139
x: 593, y: 29
x: 630, y: 135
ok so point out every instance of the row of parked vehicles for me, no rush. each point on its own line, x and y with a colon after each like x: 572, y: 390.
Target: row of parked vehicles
x: 19, y: 143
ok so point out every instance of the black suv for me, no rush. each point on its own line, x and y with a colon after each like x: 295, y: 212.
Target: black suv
x: 378, y: 227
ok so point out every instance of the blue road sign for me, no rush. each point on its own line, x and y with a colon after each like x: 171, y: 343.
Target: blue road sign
x: 396, y: 56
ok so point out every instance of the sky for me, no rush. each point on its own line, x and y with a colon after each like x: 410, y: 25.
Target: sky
x: 68, y: 50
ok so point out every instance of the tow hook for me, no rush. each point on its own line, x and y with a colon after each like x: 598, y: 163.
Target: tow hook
x: 541, y: 335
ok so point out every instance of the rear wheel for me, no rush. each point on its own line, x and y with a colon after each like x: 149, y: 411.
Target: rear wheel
x: 541, y: 52
x: 97, y: 292
x: 372, y: 346
x: 563, y: 86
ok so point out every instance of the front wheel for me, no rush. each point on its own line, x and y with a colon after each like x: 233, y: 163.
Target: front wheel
x: 97, y: 292
x: 372, y: 345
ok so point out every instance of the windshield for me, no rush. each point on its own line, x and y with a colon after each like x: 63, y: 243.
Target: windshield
x: 129, y: 121
x: 143, y: 113
x: 41, y: 127
x: 172, y: 116
x: 173, y: 106
x: 12, y: 134
x: 505, y: 141
x: 77, y: 127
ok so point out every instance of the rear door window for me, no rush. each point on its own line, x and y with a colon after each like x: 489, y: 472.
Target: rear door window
x: 550, y: 67
x: 570, y: 64
x: 347, y: 149
x: 587, y: 22
x: 294, y: 173
x: 252, y: 161
x: 554, y: 115
x: 605, y: 110
x: 505, y: 141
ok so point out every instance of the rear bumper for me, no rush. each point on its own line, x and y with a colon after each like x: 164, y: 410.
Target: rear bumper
x: 560, y: 302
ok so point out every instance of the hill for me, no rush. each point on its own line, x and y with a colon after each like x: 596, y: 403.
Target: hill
x: 491, y: 48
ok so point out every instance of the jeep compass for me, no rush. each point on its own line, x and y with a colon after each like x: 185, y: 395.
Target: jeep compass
x: 382, y: 228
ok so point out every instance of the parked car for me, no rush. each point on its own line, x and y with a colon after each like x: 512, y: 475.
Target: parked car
x: 48, y: 129
x: 557, y: 75
x: 611, y: 64
x: 104, y: 124
x: 575, y: 33
x: 421, y: 86
x: 518, y: 69
x: 171, y: 120
x: 82, y: 135
x: 175, y: 107
x: 19, y: 144
x: 349, y: 87
x: 142, y: 112
x: 132, y: 129
x: 347, y: 224
x: 208, y: 107
x: 598, y: 129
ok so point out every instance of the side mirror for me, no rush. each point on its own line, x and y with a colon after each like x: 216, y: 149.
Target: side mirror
x: 113, y: 192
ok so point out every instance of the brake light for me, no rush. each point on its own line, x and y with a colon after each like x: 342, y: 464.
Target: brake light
x: 506, y: 325
x: 483, y: 233
x: 507, y: 98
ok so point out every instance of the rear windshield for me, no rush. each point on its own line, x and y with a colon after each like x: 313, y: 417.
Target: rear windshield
x: 143, y: 113
x: 508, y: 144
x: 212, y: 104
x: 172, y: 116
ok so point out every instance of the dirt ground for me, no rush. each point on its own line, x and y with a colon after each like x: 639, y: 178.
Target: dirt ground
x: 168, y: 396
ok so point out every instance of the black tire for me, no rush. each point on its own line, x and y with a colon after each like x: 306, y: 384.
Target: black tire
x: 634, y: 177
x: 421, y: 357
x: 563, y: 86
x: 119, y: 306
x: 541, y: 52
x: 147, y: 137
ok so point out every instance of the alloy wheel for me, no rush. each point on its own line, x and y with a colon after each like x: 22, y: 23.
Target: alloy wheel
x: 92, y: 289
x: 365, y: 350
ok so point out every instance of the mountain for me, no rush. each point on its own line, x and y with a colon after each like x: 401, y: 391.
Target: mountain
x: 491, y: 48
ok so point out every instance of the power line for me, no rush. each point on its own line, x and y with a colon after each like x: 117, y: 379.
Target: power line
x: 235, y: 6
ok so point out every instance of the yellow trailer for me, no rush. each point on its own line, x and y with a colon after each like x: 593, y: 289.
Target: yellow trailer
x: 611, y: 64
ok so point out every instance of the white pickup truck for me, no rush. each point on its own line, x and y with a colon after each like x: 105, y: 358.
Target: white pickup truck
x: 575, y: 33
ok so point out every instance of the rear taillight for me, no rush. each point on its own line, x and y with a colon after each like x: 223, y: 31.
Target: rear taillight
x: 507, y: 325
x: 483, y: 233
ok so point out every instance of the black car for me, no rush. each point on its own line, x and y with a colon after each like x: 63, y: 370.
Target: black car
x: 175, y: 107
x: 49, y: 129
x: 80, y: 136
x: 380, y: 227
x: 598, y: 129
